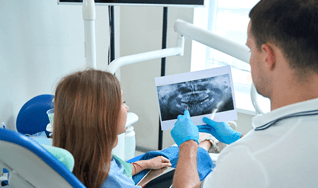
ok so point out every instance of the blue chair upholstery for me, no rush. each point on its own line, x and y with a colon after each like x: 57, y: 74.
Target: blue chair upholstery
x: 31, y: 164
x: 32, y: 117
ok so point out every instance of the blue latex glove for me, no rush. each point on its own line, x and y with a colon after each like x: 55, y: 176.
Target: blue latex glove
x: 220, y: 130
x: 184, y: 129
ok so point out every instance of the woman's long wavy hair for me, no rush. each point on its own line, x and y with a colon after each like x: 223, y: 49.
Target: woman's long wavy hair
x: 86, y: 111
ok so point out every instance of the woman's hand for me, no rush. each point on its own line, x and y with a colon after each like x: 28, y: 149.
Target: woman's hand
x: 154, y: 163
x: 158, y: 162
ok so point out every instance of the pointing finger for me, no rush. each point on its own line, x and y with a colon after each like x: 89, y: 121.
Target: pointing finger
x: 187, y: 113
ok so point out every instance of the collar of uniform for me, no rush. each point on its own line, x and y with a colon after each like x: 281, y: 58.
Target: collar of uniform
x: 260, y: 120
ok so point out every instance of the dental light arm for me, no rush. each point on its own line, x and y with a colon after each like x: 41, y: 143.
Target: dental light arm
x: 127, y: 60
x: 214, y: 41
x: 89, y: 17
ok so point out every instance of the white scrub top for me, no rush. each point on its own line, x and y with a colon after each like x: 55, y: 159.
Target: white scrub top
x: 281, y: 151
x: 117, y: 178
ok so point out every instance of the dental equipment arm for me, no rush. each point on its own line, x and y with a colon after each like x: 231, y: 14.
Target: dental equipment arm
x: 127, y: 60
x: 89, y: 17
x: 214, y: 41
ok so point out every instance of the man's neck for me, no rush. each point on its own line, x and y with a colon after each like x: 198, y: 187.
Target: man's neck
x: 294, y: 91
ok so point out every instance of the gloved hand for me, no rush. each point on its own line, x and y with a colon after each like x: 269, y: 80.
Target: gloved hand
x: 220, y: 130
x: 184, y: 129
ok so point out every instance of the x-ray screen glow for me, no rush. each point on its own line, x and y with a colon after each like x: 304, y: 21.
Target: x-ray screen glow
x: 200, y: 92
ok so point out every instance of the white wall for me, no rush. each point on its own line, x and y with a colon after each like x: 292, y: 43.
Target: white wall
x: 40, y: 42
x: 244, y: 123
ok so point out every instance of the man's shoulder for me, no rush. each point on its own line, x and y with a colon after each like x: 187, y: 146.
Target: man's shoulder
x: 235, y: 149
x: 246, y: 143
x: 234, y: 168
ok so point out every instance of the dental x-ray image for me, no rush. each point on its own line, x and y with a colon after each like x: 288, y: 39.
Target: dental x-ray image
x: 205, y: 93
x: 200, y: 97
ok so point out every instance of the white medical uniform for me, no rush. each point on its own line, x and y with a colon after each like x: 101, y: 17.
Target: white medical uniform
x: 281, y: 151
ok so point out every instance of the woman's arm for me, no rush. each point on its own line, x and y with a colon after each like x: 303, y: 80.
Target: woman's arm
x: 154, y: 163
x: 139, y: 166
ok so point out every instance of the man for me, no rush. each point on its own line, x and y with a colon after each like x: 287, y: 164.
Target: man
x: 282, y: 150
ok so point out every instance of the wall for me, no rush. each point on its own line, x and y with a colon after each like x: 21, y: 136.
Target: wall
x: 40, y: 42
x: 244, y: 123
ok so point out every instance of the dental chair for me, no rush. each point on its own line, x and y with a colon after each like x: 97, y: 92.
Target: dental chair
x: 30, y: 165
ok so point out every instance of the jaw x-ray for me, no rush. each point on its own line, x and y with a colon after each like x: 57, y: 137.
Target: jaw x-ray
x: 200, y: 95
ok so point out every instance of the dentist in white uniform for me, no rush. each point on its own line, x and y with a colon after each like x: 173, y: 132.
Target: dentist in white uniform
x: 282, y: 150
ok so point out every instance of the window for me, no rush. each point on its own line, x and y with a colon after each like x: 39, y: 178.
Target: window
x: 227, y: 18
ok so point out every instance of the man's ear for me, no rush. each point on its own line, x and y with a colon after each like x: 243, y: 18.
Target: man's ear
x: 269, y: 56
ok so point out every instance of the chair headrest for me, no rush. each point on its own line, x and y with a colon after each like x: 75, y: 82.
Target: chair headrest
x: 32, y: 117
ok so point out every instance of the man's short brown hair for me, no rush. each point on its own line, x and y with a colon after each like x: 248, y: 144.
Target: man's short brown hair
x: 292, y: 25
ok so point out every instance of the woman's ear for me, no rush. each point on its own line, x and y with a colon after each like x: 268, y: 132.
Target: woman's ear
x: 269, y: 56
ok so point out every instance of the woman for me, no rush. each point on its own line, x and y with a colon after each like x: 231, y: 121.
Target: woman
x: 89, y: 113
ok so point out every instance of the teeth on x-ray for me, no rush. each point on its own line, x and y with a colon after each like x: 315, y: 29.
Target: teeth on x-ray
x: 194, y: 97
x: 199, y: 96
